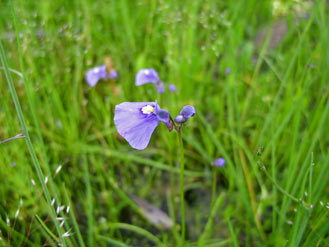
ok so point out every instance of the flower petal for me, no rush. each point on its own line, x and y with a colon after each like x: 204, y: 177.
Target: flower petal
x: 144, y: 76
x: 163, y: 116
x: 160, y: 87
x: 113, y: 74
x: 133, y: 125
x: 93, y: 75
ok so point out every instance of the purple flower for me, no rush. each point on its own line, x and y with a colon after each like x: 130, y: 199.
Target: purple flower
x: 136, y: 121
x: 219, y: 162
x: 227, y: 71
x: 172, y: 88
x: 95, y: 74
x: 145, y: 76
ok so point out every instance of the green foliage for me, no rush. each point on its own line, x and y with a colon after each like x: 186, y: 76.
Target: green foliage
x: 271, y: 112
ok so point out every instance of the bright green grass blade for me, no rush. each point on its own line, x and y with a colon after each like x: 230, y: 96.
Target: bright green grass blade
x: 49, y: 232
x: 113, y: 242
x: 73, y: 218
x: 136, y: 229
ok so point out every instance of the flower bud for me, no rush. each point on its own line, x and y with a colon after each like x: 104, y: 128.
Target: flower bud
x: 179, y: 119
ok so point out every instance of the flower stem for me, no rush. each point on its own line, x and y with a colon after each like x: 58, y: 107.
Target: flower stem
x: 214, y: 184
x: 181, y: 181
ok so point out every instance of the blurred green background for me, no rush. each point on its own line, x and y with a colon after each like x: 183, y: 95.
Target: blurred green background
x: 268, y: 118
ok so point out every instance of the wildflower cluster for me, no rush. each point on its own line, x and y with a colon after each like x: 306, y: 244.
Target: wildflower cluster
x: 136, y: 121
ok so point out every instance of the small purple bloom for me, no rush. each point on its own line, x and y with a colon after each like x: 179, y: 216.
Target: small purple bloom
x: 227, y: 71
x: 219, y: 162
x: 136, y: 121
x: 172, y: 88
x: 147, y: 76
x: 113, y: 74
x: 95, y: 74
x: 188, y: 111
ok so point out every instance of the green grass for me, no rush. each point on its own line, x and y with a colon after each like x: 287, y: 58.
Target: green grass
x: 279, y: 101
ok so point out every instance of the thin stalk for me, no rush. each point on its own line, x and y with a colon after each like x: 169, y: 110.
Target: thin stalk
x: 171, y: 198
x: 293, y: 198
x: 89, y: 198
x: 73, y: 218
x: 208, y: 228
x: 214, y: 185
x: 142, y: 232
x: 25, y: 132
x: 12, y: 138
x: 181, y: 181
x: 171, y: 209
x: 310, y: 180
x: 274, y: 199
x: 251, y: 193
x: 14, y: 71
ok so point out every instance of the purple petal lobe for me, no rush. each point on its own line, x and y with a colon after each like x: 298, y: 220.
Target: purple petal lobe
x: 219, y: 162
x: 172, y: 88
x: 95, y: 74
x: 136, y: 121
x: 163, y: 116
x: 188, y: 111
x: 144, y: 76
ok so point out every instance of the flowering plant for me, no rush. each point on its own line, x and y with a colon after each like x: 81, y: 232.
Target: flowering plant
x: 136, y: 121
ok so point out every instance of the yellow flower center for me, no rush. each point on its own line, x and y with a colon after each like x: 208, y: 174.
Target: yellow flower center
x: 148, y: 109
